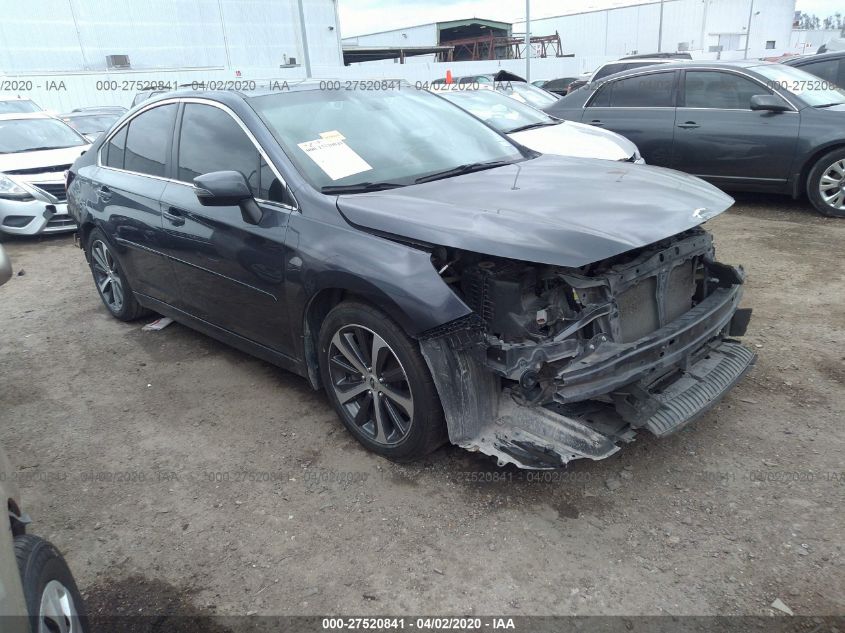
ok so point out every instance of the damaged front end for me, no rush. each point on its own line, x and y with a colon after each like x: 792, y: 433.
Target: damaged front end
x: 556, y: 364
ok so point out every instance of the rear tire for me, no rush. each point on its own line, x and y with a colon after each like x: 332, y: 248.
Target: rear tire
x: 52, y: 598
x: 389, y: 403
x: 110, y: 280
x: 826, y: 184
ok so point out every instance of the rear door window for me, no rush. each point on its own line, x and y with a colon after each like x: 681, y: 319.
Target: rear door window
x: 148, y: 140
x: 655, y: 90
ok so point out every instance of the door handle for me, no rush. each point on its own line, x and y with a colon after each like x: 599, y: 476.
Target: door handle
x: 175, y: 216
x: 104, y: 193
x: 689, y: 125
x: 597, y: 122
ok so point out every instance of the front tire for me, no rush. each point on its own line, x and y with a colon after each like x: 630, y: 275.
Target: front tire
x: 379, y: 384
x: 826, y: 184
x: 52, y: 598
x: 110, y: 279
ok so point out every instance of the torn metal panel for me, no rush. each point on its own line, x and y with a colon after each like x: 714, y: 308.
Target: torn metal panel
x: 482, y: 417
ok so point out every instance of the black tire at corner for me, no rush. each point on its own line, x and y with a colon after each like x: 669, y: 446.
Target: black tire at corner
x: 814, y: 178
x: 39, y: 563
x: 131, y: 309
x: 428, y: 428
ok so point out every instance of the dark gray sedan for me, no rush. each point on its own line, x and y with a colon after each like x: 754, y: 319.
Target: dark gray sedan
x: 436, y: 278
x: 741, y: 125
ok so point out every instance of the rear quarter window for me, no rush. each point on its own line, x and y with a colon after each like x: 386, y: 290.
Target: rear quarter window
x: 114, y: 150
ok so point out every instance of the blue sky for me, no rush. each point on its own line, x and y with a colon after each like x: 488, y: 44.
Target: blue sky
x: 368, y: 16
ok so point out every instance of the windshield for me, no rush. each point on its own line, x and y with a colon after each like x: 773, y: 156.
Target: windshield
x: 532, y: 95
x: 92, y: 124
x: 13, y: 106
x: 503, y: 113
x: 339, y: 138
x: 812, y: 90
x: 29, y: 135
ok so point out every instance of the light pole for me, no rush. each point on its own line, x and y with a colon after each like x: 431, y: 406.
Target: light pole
x: 660, y: 30
x: 748, y: 29
x: 305, y: 54
x: 528, y: 41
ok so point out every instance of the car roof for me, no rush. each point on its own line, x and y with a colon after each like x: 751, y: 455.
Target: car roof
x: 656, y: 60
x: 262, y: 88
x: 87, y: 109
x: 8, y: 97
x: 677, y: 55
x: 11, y: 116
x: 810, y: 59
x: 690, y: 65
x: 78, y: 114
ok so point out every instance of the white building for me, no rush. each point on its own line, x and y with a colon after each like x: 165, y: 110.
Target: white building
x: 80, y: 43
x: 705, y: 28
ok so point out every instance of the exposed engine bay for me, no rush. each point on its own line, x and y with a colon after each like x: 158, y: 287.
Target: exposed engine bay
x: 559, y: 363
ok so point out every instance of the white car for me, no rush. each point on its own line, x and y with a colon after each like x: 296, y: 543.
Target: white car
x: 539, y: 131
x: 13, y: 104
x: 526, y: 93
x: 36, y: 150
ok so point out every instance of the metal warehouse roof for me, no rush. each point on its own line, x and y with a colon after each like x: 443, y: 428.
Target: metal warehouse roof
x: 353, y: 53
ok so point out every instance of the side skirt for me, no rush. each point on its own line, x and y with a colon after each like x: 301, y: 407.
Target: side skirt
x: 224, y: 336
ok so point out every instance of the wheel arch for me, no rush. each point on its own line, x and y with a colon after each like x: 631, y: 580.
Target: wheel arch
x: 324, y: 300
x: 811, y: 161
x: 84, y: 233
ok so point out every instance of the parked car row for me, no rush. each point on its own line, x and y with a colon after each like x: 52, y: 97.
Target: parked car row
x: 440, y: 280
x: 91, y: 122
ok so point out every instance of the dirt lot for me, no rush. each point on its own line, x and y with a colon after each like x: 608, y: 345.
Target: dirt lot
x: 167, y: 463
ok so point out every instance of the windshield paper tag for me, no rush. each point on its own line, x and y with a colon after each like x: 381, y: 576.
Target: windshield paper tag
x: 334, y: 156
x: 334, y: 135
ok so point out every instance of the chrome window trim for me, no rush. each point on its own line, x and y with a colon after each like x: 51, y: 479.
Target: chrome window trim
x: 201, y: 101
x: 651, y: 70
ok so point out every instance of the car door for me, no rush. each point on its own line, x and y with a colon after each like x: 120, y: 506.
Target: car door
x: 641, y: 108
x: 130, y: 181
x: 719, y: 137
x: 230, y: 272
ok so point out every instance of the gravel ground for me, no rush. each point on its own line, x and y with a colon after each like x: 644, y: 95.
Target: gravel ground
x: 166, y: 464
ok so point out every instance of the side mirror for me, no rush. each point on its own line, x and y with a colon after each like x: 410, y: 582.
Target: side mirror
x: 770, y: 103
x: 227, y: 189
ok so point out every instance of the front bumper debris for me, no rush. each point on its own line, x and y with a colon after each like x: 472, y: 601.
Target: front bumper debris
x: 483, y: 417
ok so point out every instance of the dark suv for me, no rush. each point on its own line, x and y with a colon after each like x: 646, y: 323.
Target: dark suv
x: 392, y: 248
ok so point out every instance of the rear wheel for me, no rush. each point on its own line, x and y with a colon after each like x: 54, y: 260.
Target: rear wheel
x: 826, y: 184
x: 111, y: 281
x: 379, y: 383
x: 52, y: 598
